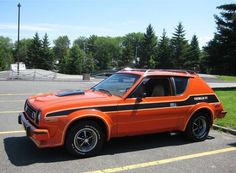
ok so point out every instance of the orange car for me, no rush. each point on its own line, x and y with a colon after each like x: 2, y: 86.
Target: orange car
x: 130, y: 102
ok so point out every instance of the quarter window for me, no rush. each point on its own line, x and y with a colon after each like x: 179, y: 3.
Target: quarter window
x: 180, y: 84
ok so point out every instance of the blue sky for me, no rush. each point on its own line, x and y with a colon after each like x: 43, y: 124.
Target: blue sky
x: 108, y: 17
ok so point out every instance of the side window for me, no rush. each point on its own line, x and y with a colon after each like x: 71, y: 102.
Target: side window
x: 180, y: 84
x: 153, y: 87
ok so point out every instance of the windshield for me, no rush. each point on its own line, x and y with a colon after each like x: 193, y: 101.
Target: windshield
x: 117, y: 84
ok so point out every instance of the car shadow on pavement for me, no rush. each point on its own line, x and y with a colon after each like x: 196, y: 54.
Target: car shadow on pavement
x: 21, y: 151
x: 233, y: 144
x: 128, y: 144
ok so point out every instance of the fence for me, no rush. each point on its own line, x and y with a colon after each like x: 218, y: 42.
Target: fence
x: 35, y: 74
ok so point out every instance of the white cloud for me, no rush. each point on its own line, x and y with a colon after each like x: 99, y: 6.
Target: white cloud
x: 55, y: 30
x: 26, y: 27
x: 59, y: 29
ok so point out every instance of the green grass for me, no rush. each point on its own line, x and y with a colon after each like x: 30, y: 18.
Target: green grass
x: 227, y: 78
x: 228, y: 99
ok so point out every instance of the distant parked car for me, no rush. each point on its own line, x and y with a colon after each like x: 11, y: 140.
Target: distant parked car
x: 129, y: 102
x: 103, y: 75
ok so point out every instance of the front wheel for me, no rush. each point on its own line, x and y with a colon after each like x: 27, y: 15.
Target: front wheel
x: 84, y: 139
x: 198, y: 128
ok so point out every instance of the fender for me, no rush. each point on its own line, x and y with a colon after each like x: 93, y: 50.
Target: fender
x: 88, y: 113
x: 196, y: 108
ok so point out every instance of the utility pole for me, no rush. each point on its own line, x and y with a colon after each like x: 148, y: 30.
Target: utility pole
x: 84, y: 57
x: 18, y: 41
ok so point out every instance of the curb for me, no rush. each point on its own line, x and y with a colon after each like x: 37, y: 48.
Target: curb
x: 224, y: 129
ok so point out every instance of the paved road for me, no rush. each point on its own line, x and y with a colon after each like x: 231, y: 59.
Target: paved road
x: 151, y: 153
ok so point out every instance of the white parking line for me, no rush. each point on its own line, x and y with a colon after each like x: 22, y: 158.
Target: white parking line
x: 12, y: 132
x: 164, y: 161
x: 10, y: 112
x: 16, y: 94
x: 11, y: 101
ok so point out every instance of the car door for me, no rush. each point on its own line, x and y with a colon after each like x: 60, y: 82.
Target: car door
x: 149, y: 108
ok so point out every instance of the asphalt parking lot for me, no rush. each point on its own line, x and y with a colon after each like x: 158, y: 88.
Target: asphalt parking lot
x: 151, y: 153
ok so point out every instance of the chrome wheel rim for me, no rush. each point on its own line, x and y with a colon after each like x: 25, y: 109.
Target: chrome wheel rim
x: 85, y: 140
x: 199, y: 126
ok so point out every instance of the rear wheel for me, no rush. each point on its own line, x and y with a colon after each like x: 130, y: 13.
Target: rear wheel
x: 198, y: 127
x: 84, y: 139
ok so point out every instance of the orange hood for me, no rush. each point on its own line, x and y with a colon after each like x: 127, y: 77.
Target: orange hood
x: 70, y: 99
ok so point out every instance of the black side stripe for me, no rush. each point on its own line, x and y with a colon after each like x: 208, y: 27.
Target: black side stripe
x: 192, y: 100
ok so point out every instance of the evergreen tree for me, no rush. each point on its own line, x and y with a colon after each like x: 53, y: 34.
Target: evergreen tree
x: 164, y: 52
x: 179, y: 46
x: 47, y: 55
x: 203, y: 62
x: 148, y: 48
x: 38, y: 53
x: 221, y: 50
x: 152, y: 63
x: 213, y: 57
x: 34, y: 54
x: 193, y: 56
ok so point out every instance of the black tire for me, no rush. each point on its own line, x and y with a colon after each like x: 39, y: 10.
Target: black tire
x: 84, y: 139
x: 198, y: 127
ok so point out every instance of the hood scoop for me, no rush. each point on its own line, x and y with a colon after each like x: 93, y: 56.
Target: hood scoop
x: 69, y: 93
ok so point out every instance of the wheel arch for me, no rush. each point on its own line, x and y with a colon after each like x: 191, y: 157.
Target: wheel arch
x: 205, y: 110
x: 104, y: 122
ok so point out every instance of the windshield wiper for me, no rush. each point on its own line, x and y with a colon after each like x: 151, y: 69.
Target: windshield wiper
x: 105, y: 91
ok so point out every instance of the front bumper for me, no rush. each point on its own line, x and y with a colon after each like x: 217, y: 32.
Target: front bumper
x: 36, y: 134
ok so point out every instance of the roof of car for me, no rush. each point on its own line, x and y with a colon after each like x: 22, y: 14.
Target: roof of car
x: 159, y: 72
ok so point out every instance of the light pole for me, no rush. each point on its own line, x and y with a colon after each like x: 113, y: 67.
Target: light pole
x: 18, y: 40
x: 136, y: 55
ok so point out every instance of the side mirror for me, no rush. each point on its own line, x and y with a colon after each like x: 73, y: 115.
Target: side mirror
x: 140, y: 98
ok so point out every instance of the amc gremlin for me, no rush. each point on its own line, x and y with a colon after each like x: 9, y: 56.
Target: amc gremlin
x: 129, y: 102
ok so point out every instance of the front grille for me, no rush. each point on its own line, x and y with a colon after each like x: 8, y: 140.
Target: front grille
x: 30, y: 111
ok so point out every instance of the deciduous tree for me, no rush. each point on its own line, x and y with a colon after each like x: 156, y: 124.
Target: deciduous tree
x: 75, y: 60
x: 6, y: 55
x: 61, y: 52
